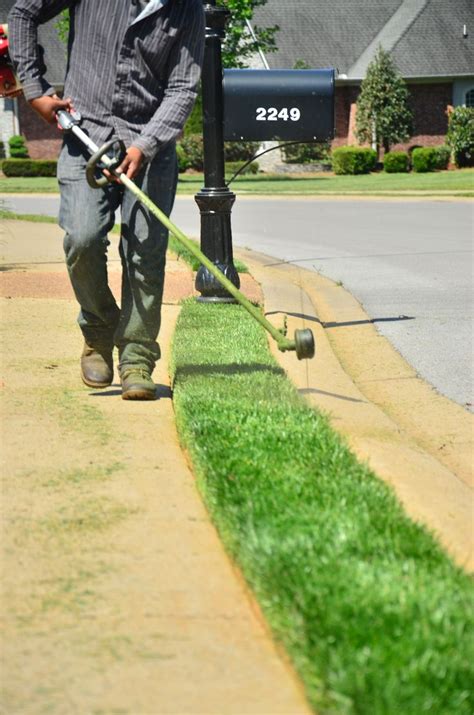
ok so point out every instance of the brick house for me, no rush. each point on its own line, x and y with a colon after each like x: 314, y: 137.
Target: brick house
x: 430, y: 41
x: 16, y: 116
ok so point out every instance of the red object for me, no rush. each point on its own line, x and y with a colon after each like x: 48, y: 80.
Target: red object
x: 3, y: 46
x: 9, y: 85
x: 4, y: 43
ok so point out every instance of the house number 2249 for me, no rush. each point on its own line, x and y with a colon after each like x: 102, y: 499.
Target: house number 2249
x: 272, y: 114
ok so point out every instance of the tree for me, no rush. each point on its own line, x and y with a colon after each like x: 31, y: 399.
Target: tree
x: 62, y: 26
x: 383, y: 116
x: 460, y: 136
x: 238, y: 45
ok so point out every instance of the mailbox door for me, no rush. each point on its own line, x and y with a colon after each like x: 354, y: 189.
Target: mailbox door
x: 289, y: 105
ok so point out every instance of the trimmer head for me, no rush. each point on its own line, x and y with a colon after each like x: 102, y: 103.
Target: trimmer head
x: 304, y: 344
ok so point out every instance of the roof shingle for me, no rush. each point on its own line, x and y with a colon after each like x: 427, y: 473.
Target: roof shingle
x: 424, y: 36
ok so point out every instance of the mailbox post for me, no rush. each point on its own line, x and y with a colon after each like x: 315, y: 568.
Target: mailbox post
x: 214, y: 199
x: 248, y: 105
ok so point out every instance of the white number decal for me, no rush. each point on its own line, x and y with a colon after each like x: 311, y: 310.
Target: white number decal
x: 273, y: 115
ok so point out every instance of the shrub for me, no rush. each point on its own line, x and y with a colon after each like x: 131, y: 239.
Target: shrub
x: 232, y: 166
x: 353, y: 160
x: 29, y: 167
x: 18, y: 149
x: 395, y: 162
x: 443, y: 155
x: 190, y: 153
x: 305, y: 153
x: 460, y: 137
x: 194, y: 122
x: 424, y: 159
x: 240, y: 151
x: 2, y: 150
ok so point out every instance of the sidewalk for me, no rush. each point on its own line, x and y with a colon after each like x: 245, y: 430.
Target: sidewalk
x: 119, y: 596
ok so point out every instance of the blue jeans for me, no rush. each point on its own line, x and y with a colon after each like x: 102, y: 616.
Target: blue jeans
x: 87, y: 215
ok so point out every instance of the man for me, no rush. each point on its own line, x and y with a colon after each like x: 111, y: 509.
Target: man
x: 133, y: 70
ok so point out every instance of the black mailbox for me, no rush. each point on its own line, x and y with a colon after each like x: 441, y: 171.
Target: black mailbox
x: 285, y: 105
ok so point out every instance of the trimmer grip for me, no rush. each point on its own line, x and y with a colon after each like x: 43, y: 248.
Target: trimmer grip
x: 110, y: 164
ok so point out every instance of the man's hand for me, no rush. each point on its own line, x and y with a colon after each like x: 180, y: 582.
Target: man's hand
x: 132, y: 163
x: 47, y: 106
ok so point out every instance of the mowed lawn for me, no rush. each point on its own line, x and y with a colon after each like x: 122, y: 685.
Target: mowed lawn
x: 460, y: 182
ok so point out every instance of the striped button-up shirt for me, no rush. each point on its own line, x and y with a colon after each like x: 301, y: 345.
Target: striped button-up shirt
x: 133, y: 67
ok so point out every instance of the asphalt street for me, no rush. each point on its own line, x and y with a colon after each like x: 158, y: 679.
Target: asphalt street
x: 408, y: 262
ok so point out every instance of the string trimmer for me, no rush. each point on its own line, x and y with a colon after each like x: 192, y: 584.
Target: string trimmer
x: 303, y: 342
x: 100, y: 160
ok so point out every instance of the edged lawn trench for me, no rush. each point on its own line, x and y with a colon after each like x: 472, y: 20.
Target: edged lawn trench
x: 373, y: 613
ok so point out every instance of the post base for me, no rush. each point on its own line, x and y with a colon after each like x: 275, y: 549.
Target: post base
x: 215, y: 205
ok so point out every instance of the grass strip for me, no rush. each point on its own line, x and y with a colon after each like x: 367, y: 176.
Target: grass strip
x: 173, y: 244
x: 374, y: 615
x: 443, y: 183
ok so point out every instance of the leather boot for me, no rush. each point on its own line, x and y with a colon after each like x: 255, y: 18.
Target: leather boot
x: 97, y: 368
x: 137, y: 384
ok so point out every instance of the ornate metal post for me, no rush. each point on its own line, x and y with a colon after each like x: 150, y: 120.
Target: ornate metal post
x: 214, y: 199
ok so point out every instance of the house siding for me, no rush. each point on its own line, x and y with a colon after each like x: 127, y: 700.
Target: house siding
x: 429, y: 104
x: 8, y: 123
x: 43, y: 140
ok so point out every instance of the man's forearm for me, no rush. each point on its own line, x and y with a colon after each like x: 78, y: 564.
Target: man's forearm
x: 167, y: 123
x: 23, y: 22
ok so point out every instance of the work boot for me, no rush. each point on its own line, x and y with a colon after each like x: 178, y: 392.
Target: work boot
x: 97, y: 367
x: 137, y: 384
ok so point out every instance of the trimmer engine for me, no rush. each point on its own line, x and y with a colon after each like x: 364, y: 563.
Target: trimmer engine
x: 9, y: 84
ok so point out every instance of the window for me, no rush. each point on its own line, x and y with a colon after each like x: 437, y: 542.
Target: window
x: 470, y: 98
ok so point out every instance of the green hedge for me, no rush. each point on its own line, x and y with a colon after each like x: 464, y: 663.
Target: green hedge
x: 443, y: 155
x: 353, y: 160
x: 190, y: 153
x: 232, y: 166
x: 395, y: 162
x: 424, y: 159
x: 18, y: 148
x: 240, y: 151
x: 29, y: 167
x: 306, y: 153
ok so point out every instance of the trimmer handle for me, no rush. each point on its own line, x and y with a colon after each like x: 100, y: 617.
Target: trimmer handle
x: 68, y: 120
x: 110, y: 163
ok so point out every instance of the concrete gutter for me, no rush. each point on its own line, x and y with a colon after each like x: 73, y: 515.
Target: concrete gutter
x: 416, y: 440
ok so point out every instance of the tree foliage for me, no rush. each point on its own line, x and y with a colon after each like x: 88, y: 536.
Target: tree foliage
x: 238, y: 45
x: 62, y: 26
x: 460, y: 135
x: 383, y: 114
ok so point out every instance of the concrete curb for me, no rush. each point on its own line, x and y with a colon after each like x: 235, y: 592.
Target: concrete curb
x: 415, y: 439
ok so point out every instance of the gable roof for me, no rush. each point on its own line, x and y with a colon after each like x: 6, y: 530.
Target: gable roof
x: 54, y: 50
x: 425, y: 37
